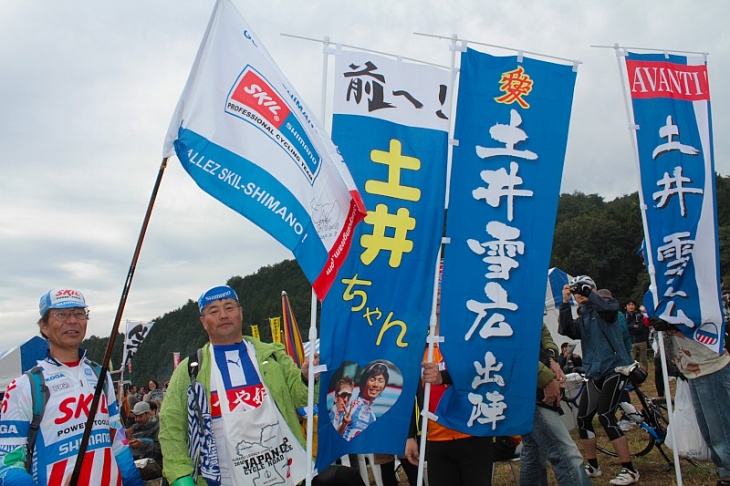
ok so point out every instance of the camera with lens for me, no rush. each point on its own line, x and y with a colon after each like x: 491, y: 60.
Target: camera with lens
x: 660, y: 324
x: 575, y: 288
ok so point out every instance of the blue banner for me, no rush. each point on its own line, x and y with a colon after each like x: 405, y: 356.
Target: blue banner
x: 671, y: 104
x: 512, y: 130
x: 390, y: 129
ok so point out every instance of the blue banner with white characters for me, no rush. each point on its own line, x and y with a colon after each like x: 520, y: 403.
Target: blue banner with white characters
x: 670, y: 96
x: 391, y: 127
x: 512, y: 130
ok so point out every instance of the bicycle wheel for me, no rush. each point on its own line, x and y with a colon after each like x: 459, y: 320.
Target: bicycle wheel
x: 639, y: 440
x: 660, y: 421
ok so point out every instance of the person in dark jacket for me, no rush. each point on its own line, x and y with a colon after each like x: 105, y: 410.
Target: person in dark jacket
x: 143, y: 439
x: 639, y: 333
x: 602, y: 342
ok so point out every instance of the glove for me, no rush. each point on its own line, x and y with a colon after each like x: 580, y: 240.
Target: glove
x: 585, y: 290
x: 659, y: 324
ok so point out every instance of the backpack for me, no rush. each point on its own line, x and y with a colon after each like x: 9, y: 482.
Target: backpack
x: 40, y: 395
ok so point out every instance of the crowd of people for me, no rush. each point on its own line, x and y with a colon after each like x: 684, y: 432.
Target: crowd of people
x: 238, y: 392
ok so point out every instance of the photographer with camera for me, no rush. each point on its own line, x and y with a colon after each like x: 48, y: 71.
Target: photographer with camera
x: 708, y: 375
x: 604, y: 350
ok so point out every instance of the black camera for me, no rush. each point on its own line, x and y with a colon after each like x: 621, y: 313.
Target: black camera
x: 660, y: 324
x: 575, y: 288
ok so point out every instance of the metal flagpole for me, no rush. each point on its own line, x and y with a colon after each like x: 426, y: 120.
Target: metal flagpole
x: 115, y: 329
x: 648, y: 260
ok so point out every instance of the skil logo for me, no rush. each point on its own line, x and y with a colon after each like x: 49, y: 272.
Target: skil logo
x: 254, y: 100
x: 74, y: 407
x: 254, y: 92
x: 67, y: 293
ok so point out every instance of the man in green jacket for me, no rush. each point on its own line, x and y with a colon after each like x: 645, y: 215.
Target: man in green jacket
x: 234, y: 418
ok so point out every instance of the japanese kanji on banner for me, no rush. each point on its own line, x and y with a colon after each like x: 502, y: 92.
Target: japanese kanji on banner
x: 244, y: 135
x: 512, y: 128
x: 390, y: 125
x: 136, y: 332
x: 670, y: 97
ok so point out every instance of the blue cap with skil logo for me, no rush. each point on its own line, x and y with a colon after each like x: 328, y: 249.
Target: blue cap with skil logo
x: 216, y: 293
x: 61, y: 299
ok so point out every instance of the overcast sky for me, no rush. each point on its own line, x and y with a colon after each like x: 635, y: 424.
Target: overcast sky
x: 87, y: 90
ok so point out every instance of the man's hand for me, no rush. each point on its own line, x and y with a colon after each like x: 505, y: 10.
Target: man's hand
x: 552, y: 392
x: 431, y: 373
x: 305, y: 367
x: 135, y: 443
x: 555, y: 368
x: 412, y: 451
x: 567, y: 293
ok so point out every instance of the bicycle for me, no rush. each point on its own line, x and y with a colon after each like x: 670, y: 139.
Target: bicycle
x: 646, y: 427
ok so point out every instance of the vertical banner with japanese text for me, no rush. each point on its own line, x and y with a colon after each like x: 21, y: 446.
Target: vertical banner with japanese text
x: 390, y: 126
x: 512, y: 128
x: 670, y: 97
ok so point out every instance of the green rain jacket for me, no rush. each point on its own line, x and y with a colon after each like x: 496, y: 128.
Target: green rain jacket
x: 280, y: 374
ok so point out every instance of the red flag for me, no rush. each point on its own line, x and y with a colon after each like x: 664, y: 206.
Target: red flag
x: 292, y: 339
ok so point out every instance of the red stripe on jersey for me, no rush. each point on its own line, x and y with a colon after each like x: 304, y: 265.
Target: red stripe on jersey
x: 57, y: 472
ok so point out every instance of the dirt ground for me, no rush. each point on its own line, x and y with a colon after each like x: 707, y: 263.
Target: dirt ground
x: 654, y: 469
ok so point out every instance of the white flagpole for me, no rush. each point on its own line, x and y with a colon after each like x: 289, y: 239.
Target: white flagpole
x: 326, y: 50
x: 649, y: 261
x: 433, y: 337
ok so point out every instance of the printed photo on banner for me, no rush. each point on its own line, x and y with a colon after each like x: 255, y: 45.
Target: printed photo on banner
x: 358, y: 396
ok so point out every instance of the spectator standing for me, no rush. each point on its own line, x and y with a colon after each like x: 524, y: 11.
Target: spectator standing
x: 550, y: 437
x: 604, y: 349
x: 639, y: 333
x: 453, y: 457
x: 708, y: 375
x: 205, y: 446
x: 49, y: 457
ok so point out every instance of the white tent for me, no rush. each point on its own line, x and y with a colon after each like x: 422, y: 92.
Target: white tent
x: 16, y: 361
x: 553, y: 298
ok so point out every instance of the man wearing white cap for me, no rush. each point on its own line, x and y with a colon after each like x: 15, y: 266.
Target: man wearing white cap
x: 66, y: 381
x: 144, y: 440
x: 230, y: 418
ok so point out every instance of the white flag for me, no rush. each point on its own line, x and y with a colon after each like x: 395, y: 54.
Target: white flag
x: 245, y: 136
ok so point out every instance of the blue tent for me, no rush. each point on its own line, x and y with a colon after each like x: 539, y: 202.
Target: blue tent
x: 15, y: 361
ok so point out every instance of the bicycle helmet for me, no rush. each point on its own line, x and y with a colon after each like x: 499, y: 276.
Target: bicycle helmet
x: 580, y: 280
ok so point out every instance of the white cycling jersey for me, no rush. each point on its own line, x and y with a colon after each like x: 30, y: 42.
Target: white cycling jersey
x: 107, y: 461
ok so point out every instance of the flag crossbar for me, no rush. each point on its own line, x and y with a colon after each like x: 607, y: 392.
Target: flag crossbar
x: 326, y: 41
x: 651, y: 49
x: 455, y: 38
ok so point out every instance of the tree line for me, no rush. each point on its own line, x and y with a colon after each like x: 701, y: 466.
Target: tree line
x: 592, y: 237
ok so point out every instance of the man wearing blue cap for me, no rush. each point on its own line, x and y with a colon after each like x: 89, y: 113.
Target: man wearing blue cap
x: 42, y: 449
x: 229, y: 415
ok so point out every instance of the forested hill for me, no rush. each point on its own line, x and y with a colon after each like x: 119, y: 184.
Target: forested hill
x: 592, y: 237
